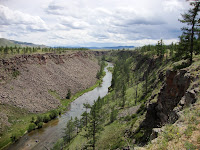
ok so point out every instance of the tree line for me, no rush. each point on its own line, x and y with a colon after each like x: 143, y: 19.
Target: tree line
x: 5, y: 50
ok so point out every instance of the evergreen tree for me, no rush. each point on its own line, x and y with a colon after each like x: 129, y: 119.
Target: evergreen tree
x: 85, y: 114
x: 189, y: 32
x: 69, y: 131
x: 84, y: 118
x: 113, y: 115
x: 68, y: 94
x: 77, y: 124
x: 123, y: 95
x: 94, y: 126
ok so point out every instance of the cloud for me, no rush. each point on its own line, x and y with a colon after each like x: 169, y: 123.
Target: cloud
x: 73, y: 23
x: 9, y: 17
x: 173, y: 5
x: 88, y: 22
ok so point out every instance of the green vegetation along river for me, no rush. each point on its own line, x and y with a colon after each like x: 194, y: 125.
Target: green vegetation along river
x: 47, y: 136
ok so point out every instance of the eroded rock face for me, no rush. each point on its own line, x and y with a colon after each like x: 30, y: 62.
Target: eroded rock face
x: 175, y: 91
x: 170, y: 95
x: 41, y: 73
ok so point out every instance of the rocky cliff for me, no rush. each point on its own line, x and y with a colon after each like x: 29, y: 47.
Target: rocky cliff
x: 25, y: 81
x: 179, y: 90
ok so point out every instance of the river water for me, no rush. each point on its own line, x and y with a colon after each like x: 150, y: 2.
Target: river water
x: 47, y: 136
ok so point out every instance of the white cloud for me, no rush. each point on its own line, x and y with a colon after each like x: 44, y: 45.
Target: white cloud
x: 9, y: 17
x: 89, y: 22
x: 173, y: 5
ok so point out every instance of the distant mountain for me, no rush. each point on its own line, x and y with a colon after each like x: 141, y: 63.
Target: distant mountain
x: 115, y: 47
x: 6, y: 42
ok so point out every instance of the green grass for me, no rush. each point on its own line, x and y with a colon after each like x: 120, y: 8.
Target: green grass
x: 189, y: 130
x: 19, y: 120
x: 189, y: 146
x: 112, y: 137
x: 78, y: 142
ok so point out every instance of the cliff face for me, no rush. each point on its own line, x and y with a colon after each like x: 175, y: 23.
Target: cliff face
x: 25, y: 81
x: 179, y: 90
x: 170, y: 95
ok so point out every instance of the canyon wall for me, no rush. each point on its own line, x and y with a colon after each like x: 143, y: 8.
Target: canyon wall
x: 26, y: 80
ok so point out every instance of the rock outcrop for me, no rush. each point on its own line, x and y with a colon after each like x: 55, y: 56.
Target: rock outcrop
x: 175, y: 94
x: 25, y: 81
x: 170, y: 95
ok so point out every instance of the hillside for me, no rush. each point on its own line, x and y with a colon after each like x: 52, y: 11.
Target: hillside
x: 5, y: 42
x: 12, y: 43
x: 151, y: 99
x: 38, y: 83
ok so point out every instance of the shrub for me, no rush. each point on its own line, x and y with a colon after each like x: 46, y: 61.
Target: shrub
x: 68, y: 94
x: 13, y: 138
x: 32, y: 120
x: 141, y: 109
x: 127, y: 118
x: 53, y: 114
x: 31, y: 127
x: 59, y: 112
x: 38, y: 120
x: 15, y: 73
x: 40, y: 125
x: 46, y: 119
x: 181, y: 66
x: 133, y: 116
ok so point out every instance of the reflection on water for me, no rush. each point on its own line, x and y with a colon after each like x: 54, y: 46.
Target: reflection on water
x: 46, y: 137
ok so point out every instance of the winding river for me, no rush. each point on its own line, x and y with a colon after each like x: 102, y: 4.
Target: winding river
x: 47, y: 136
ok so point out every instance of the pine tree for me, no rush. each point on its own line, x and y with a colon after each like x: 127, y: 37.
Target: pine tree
x: 69, y: 131
x: 68, y: 94
x: 123, y: 95
x: 86, y: 106
x: 94, y: 126
x: 189, y: 32
x: 84, y: 119
x: 77, y: 124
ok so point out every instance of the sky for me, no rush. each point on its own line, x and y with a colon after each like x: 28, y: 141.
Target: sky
x: 89, y: 23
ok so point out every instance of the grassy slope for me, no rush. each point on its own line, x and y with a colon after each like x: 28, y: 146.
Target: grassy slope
x: 5, y: 42
x: 115, y: 136
x: 185, y: 133
x: 19, y: 120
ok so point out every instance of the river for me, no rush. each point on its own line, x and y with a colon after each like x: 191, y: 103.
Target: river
x: 47, y: 136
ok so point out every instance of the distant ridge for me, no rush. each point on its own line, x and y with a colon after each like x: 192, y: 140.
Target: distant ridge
x: 114, y: 47
x: 12, y: 43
